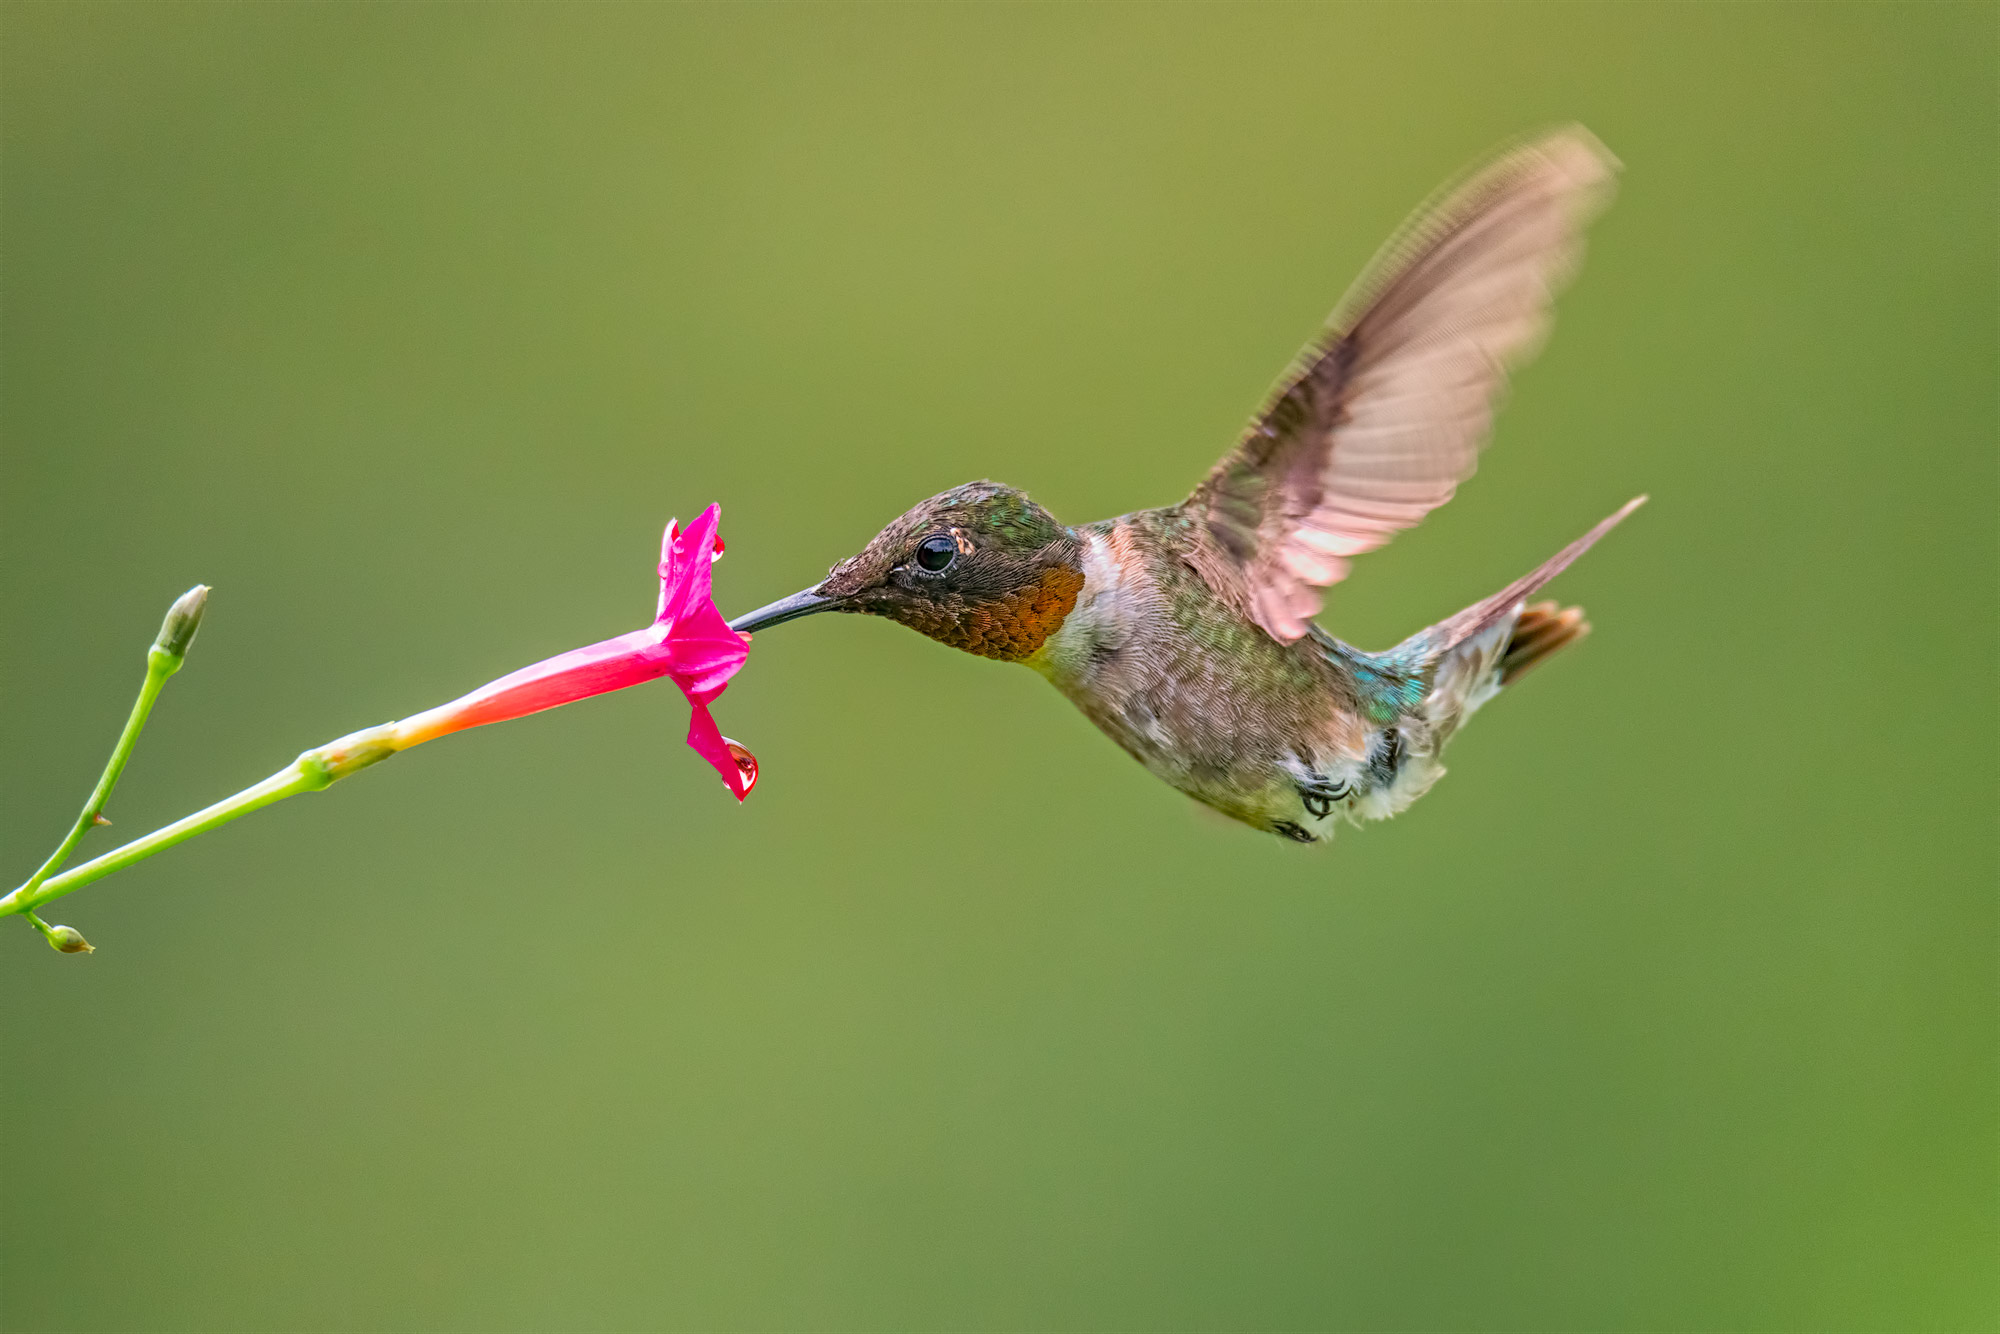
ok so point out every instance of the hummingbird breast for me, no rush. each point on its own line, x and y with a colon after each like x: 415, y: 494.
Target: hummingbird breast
x: 1271, y: 734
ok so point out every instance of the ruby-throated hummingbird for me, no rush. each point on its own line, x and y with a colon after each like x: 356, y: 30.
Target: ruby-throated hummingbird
x: 1185, y: 633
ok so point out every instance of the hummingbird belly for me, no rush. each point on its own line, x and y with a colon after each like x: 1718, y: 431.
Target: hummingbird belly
x: 1267, y: 733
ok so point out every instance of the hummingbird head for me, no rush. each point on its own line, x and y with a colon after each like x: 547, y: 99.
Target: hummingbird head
x: 980, y: 567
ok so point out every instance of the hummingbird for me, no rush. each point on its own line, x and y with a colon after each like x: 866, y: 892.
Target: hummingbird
x: 1186, y: 633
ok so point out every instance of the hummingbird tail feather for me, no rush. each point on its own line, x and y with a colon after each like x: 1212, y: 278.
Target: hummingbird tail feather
x: 1447, y: 635
x: 1463, y: 661
x: 1542, y: 629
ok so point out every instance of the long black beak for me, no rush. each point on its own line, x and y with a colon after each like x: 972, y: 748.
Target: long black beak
x: 784, y: 609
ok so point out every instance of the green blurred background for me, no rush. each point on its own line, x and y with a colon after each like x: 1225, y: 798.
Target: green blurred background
x: 406, y: 327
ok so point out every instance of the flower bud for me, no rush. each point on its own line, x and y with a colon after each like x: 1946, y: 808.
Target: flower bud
x: 183, y: 619
x: 69, y: 940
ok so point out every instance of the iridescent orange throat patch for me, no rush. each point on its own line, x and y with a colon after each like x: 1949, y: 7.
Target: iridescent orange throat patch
x: 1009, y: 627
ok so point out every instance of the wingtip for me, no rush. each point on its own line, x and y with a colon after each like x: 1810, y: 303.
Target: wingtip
x: 1575, y: 145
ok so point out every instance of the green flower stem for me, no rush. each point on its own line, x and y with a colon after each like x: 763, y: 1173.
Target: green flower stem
x: 160, y: 665
x: 316, y: 769
x: 169, y: 651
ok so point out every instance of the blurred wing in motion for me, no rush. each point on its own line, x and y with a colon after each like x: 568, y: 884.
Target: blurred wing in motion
x: 1379, y: 419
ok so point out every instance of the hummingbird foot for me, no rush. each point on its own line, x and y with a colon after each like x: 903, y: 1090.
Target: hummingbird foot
x: 1321, y: 795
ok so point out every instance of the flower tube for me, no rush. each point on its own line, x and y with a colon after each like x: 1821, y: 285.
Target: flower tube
x: 688, y: 641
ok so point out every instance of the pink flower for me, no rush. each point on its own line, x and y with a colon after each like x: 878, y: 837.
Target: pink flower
x: 688, y: 640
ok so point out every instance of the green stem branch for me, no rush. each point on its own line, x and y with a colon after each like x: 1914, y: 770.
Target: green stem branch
x: 169, y: 651
x: 312, y: 771
x: 159, y: 666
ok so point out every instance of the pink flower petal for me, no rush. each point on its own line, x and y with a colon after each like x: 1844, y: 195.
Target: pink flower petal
x: 737, y: 766
x: 685, y: 558
x: 667, y: 583
x: 706, y: 653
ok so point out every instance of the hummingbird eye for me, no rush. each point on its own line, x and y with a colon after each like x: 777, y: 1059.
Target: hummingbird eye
x: 936, y: 553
